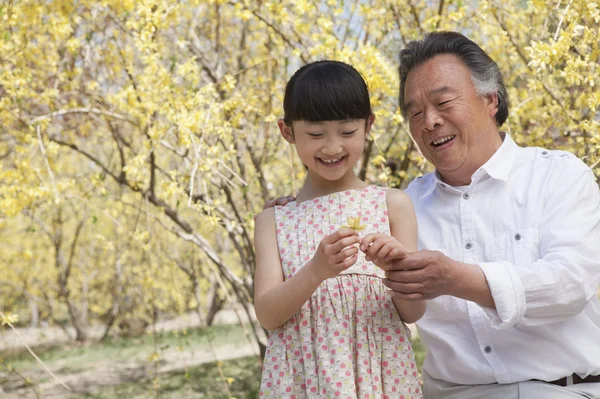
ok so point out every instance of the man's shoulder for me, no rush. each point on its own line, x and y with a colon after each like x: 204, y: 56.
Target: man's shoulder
x: 419, y: 185
x: 558, y: 160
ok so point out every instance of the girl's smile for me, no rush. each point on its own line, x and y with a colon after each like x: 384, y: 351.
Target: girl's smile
x: 332, y: 162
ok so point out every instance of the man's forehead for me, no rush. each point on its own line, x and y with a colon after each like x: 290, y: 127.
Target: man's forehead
x: 434, y: 90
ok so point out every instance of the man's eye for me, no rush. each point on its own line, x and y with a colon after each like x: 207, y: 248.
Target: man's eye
x: 444, y: 102
x: 416, y: 114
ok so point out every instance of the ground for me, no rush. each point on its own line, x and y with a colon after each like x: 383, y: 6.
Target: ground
x: 185, y: 366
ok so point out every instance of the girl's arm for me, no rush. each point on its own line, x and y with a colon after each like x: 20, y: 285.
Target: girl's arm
x: 276, y: 300
x: 403, y: 226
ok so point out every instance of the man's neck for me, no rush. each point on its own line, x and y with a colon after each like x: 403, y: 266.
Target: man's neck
x: 462, y: 176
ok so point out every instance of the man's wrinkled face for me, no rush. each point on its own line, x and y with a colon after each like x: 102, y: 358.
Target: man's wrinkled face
x: 452, y: 125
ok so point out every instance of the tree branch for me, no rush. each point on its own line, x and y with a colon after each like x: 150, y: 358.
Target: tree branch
x: 80, y: 111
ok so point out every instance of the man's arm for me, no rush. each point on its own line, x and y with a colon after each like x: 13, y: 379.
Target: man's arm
x: 561, y: 283
x: 553, y: 288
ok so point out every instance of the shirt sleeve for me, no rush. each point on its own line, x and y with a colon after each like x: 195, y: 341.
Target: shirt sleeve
x: 562, y: 282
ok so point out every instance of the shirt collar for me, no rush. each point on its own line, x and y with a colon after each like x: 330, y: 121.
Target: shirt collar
x: 497, y: 167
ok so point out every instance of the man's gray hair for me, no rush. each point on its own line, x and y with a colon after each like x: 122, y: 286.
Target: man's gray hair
x: 485, y: 73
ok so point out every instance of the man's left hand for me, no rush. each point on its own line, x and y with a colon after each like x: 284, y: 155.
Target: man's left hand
x: 421, y: 275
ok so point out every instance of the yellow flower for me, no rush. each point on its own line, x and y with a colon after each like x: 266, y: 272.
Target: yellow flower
x: 354, y: 224
x: 9, y: 319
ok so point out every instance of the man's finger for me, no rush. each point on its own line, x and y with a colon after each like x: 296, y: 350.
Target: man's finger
x: 405, y: 276
x: 412, y: 261
x: 402, y: 288
x: 285, y: 200
x: 279, y: 201
x: 417, y: 296
x: 269, y: 204
x: 397, y: 253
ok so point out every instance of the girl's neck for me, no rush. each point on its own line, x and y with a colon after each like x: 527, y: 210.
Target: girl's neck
x: 314, y: 186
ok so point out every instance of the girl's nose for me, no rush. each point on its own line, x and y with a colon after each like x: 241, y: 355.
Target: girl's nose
x: 331, y: 150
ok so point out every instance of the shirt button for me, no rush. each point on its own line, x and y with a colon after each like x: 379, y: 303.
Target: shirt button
x: 466, y: 196
x: 468, y: 245
x: 544, y: 152
x: 487, y: 349
x: 517, y: 236
x: 443, y: 185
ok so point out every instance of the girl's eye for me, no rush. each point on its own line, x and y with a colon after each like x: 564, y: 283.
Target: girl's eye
x: 349, y: 133
x: 315, y: 135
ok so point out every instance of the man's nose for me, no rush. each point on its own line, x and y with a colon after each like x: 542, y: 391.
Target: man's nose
x: 432, y: 119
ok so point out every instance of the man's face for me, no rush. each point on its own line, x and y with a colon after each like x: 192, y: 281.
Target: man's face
x: 452, y: 125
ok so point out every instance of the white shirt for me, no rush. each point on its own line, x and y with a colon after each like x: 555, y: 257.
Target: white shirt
x: 531, y: 220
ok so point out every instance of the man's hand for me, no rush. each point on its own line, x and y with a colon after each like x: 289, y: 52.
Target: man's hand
x: 335, y: 254
x: 279, y: 201
x: 381, y: 249
x: 422, y: 275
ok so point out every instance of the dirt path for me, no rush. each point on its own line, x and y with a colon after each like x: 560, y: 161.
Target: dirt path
x: 107, y: 373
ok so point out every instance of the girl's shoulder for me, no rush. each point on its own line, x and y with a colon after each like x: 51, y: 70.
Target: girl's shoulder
x: 265, y: 219
x: 398, y: 201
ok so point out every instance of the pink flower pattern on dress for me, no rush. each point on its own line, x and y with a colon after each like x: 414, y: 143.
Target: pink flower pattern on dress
x: 347, y: 341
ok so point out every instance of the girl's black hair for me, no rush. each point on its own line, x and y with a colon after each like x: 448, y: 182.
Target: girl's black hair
x: 326, y: 91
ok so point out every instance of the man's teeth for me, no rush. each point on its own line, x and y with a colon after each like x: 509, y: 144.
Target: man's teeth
x: 331, y: 161
x: 443, y: 140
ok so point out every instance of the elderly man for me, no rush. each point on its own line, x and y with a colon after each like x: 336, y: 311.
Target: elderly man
x: 509, y: 240
x: 513, y: 310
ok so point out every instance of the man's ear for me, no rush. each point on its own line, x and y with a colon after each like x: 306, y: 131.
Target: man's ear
x: 492, y: 104
x: 369, y: 124
x: 286, y: 131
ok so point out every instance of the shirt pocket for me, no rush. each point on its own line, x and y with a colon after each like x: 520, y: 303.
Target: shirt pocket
x: 519, y: 247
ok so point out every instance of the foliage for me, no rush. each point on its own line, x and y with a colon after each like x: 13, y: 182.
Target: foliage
x: 138, y: 138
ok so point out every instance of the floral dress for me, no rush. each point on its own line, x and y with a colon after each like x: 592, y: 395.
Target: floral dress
x: 347, y: 340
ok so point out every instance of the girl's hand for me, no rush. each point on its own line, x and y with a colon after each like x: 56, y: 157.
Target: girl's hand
x: 381, y: 249
x: 335, y: 254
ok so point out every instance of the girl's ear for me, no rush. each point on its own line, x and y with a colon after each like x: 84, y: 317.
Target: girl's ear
x: 369, y: 124
x: 286, y: 131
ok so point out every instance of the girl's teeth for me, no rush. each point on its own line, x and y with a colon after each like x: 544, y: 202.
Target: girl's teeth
x: 331, y: 161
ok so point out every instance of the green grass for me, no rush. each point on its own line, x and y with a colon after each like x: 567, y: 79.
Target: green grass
x: 78, y: 357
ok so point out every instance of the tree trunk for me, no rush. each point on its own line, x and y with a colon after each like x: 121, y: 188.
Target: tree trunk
x: 35, y: 313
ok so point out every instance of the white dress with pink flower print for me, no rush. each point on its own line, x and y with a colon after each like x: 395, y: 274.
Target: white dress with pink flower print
x: 347, y: 341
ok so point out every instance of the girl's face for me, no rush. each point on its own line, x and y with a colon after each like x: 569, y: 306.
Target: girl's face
x: 329, y: 149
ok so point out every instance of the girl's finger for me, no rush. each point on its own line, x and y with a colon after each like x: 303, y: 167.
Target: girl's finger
x: 346, y: 253
x: 348, y: 262
x: 368, y: 239
x: 344, y: 243
x: 372, y: 251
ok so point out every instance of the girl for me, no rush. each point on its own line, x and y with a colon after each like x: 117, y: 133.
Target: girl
x: 335, y: 331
